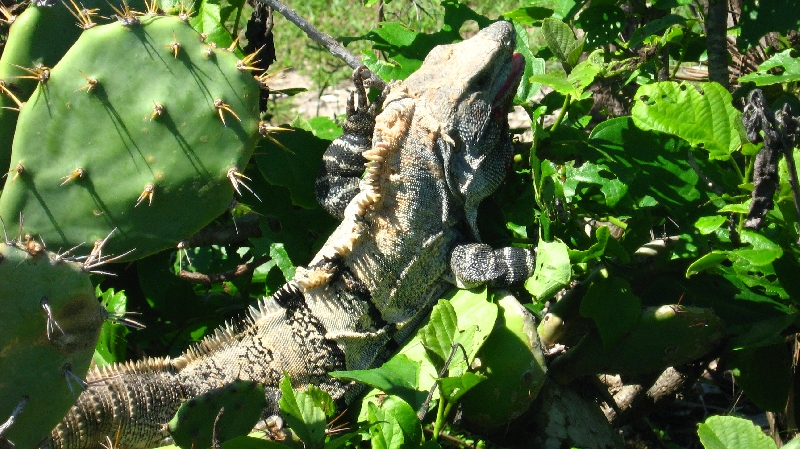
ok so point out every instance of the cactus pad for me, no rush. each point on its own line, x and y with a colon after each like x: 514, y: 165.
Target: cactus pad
x: 243, y: 402
x: 51, y: 320
x: 141, y: 128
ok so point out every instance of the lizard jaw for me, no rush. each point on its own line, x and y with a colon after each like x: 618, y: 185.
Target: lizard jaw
x: 502, y: 101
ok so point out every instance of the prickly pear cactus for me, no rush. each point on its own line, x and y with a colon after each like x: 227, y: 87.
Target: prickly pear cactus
x: 30, y: 48
x: 194, y: 421
x: 141, y: 127
x: 51, y: 321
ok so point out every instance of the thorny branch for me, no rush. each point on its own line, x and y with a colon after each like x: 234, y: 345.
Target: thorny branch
x: 208, y: 279
x: 334, y: 47
x: 778, y: 130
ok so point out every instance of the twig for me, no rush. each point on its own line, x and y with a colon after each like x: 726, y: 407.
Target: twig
x: 208, y: 279
x: 334, y: 47
x: 232, y: 233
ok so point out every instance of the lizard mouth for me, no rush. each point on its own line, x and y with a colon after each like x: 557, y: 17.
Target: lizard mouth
x: 502, y: 101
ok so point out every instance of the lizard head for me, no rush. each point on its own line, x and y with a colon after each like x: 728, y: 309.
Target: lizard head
x: 468, y: 87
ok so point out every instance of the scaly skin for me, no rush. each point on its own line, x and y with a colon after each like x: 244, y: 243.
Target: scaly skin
x: 440, y: 146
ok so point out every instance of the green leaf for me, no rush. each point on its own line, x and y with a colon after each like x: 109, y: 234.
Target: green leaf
x: 602, y: 23
x: 652, y: 27
x: 760, y: 17
x: 476, y: 320
x: 789, y: 68
x: 558, y: 81
x: 707, y: 225
x: 702, y: 114
x: 439, y: 335
x: 730, y: 432
x: 302, y: 414
x: 529, y: 16
x: 112, y: 345
x: 553, y: 271
x: 765, y: 374
x: 399, y: 377
x: 707, y: 262
x: 562, y: 42
x: 533, y: 66
x: 395, y: 425
x: 613, y: 307
x: 209, y: 17
x: 455, y: 387
x: 295, y: 169
x: 278, y: 253
x: 595, y: 251
x: 613, y: 189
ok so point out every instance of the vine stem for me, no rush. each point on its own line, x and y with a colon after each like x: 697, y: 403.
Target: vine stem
x: 562, y: 112
x: 334, y: 47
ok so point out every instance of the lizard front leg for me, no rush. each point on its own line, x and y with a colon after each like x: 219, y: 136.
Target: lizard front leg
x: 474, y: 264
x: 342, y: 164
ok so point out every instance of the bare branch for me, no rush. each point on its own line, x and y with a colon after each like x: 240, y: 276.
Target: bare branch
x: 208, y: 279
x: 334, y: 47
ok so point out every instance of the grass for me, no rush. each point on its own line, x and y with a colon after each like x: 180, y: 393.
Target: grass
x: 341, y: 18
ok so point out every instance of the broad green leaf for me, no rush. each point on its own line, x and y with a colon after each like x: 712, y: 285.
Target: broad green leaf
x: 278, y: 253
x: 476, y: 319
x: 209, y: 17
x: 395, y: 425
x: 707, y: 225
x: 112, y: 344
x: 706, y: 262
x: 613, y: 307
x: 399, y: 377
x: 553, y: 271
x: 701, y: 114
x: 731, y: 432
x: 602, y: 23
x: 323, y: 127
x: 295, y: 169
x: 302, y: 414
x: 654, y: 166
x: 533, y: 66
x: 760, y: 17
x: 321, y: 399
x: 789, y: 66
x: 532, y: 15
x: 558, y: 81
x: 612, y: 189
x: 562, y: 42
x: 455, y: 387
x: 764, y: 373
x: 652, y: 27
x: 439, y: 335
x: 595, y: 251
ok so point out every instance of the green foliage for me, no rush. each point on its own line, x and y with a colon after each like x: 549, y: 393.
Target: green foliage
x: 729, y: 432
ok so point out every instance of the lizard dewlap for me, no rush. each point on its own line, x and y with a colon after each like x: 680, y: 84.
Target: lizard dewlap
x: 142, y: 129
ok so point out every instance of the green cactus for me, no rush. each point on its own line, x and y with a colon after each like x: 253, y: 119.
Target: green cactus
x: 51, y: 320
x: 155, y: 156
x: 664, y: 336
x: 242, y: 401
x: 37, y: 40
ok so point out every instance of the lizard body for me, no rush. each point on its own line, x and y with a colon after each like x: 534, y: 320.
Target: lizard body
x: 439, y: 146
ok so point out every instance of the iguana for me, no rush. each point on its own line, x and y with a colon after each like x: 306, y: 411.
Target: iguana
x: 440, y: 145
